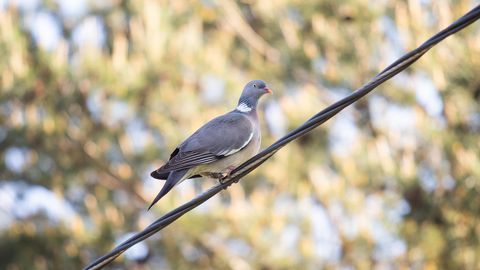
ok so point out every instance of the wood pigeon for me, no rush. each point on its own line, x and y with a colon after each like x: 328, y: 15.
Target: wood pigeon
x: 219, y: 146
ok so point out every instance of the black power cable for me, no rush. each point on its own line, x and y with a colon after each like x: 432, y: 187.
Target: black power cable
x: 318, y: 119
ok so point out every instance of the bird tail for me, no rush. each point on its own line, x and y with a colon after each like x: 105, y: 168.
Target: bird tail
x: 173, y: 179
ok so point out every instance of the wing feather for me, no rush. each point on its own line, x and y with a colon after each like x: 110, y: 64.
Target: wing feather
x: 221, y: 137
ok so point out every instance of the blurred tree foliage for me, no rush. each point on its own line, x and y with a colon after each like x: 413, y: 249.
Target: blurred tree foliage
x: 95, y: 95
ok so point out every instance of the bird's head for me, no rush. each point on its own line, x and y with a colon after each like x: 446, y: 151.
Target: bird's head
x: 250, y: 95
x: 255, y: 88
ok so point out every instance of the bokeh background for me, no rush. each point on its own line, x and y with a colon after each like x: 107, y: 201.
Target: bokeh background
x: 95, y: 94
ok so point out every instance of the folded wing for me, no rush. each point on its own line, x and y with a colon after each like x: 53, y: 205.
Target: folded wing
x: 221, y: 137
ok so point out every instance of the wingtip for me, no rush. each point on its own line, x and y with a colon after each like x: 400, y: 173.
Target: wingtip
x: 161, y: 176
x: 154, y: 174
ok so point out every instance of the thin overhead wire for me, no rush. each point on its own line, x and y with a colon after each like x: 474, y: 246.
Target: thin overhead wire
x: 318, y: 119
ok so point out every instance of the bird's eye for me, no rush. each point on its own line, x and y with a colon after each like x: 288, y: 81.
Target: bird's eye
x: 254, y: 85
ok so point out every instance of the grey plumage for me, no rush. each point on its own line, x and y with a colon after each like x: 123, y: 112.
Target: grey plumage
x: 219, y: 146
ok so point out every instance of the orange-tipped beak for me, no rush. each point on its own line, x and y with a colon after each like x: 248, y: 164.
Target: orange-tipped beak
x: 268, y: 90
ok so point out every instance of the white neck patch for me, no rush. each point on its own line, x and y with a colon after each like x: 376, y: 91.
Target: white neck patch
x: 243, y: 107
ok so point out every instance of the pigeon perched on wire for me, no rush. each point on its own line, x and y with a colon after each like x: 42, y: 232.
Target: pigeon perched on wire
x: 219, y: 146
